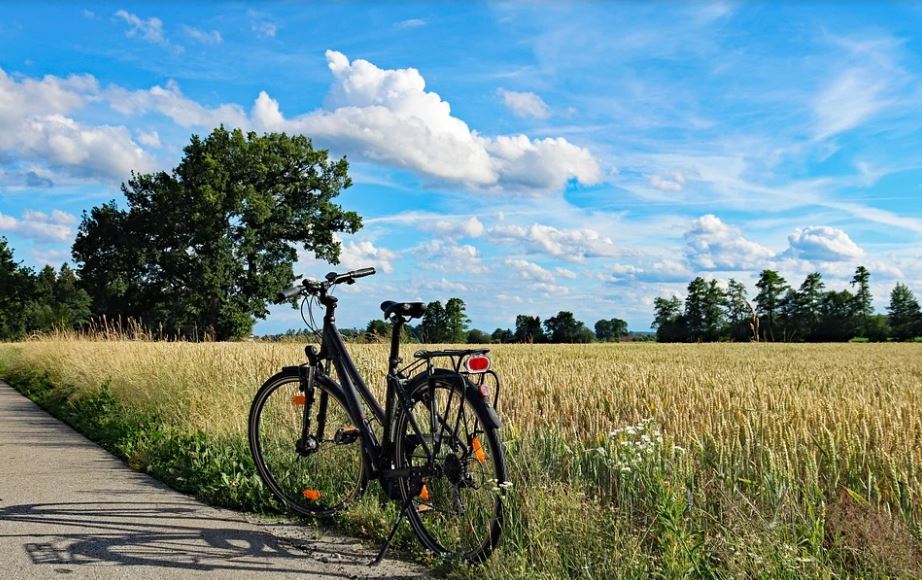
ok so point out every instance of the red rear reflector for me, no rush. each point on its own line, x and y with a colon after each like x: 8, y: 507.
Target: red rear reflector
x: 298, y: 400
x: 477, y: 364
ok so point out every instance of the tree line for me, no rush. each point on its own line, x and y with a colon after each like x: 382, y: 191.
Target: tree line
x: 781, y: 312
x: 449, y: 324
x: 35, y: 301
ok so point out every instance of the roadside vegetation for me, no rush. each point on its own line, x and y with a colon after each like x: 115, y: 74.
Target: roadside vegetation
x: 627, y: 460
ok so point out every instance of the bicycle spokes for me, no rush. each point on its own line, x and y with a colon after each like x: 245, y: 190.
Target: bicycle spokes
x: 458, y: 509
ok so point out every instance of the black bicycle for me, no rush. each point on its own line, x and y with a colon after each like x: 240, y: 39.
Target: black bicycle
x: 434, y: 447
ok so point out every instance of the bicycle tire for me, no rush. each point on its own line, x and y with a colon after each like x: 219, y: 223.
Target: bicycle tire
x: 436, y: 526
x: 318, y: 484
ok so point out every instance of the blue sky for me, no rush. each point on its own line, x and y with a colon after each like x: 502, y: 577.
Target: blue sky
x: 528, y: 158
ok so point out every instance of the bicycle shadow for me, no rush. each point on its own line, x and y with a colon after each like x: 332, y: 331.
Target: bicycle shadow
x: 176, y: 536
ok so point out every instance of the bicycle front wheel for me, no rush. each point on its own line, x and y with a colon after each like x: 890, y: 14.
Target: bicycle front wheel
x: 457, y: 513
x: 314, y: 472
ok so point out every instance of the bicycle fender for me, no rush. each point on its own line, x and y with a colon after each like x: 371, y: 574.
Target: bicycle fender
x: 473, y: 395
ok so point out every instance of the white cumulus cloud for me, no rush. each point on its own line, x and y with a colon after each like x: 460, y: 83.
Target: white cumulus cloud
x: 569, y: 244
x: 40, y: 226
x: 469, y: 228
x: 450, y: 257
x: 151, y: 139
x: 363, y: 254
x: 170, y: 101
x: 711, y: 244
x: 525, y: 104
x: 673, y: 182
x: 36, y: 124
x: 529, y: 270
x: 822, y: 244
x: 388, y: 116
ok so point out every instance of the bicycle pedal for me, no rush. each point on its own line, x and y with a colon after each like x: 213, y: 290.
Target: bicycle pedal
x: 311, y: 494
x: 423, y: 507
x: 346, y: 435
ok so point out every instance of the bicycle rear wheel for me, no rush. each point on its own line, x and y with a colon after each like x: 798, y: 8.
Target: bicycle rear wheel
x: 459, y: 512
x: 328, y: 473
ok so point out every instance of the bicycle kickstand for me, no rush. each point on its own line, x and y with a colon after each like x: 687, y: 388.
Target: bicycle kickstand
x: 390, y: 536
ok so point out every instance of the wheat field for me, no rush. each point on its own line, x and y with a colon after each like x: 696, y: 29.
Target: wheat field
x: 727, y: 460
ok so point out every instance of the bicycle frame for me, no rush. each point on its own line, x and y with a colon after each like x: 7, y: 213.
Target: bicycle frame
x: 355, y: 392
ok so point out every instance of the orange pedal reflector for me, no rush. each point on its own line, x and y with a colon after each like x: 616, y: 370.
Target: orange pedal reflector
x: 311, y: 494
x: 298, y: 399
x: 424, y: 493
x: 478, y: 450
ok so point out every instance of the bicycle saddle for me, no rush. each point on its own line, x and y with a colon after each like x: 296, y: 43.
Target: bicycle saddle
x: 407, y: 309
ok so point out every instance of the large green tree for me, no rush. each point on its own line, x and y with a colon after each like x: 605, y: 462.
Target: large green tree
x: 433, y: 324
x: 772, y: 287
x: 528, y: 329
x: 448, y: 323
x: 566, y: 328
x: 611, y: 330
x: 862, y: 302
x: 668, y: 320
x: 809, y: 301
x: 502, y: 335
x: 456, y: 321
x: 203, y: 249
x: 904, y: 313
x: 837, y: 322
x: 704, y: 316
x: 739, y: 313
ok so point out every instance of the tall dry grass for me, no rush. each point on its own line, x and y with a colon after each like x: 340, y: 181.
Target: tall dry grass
x: 757, y: 452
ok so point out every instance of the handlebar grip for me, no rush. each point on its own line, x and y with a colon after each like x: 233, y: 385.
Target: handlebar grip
x: 286, y: 294
x: 361, y: 273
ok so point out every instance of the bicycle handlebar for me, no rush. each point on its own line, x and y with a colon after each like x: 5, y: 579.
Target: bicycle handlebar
x: 314, y: 287
x: 349, y: 277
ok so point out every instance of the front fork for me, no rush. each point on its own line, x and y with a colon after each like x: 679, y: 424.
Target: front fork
x: 309, y: 443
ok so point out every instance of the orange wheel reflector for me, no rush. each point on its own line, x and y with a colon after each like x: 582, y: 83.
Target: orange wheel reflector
x: 298, y: 399
x: 311, y: 494
x: 478, y: 450
x: 424, y: 493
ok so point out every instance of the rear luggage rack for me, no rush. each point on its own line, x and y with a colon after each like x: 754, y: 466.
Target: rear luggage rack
x: 450, y: 352
x: 488, y: 378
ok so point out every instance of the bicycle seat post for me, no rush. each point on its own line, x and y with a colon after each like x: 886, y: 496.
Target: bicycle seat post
x: 395, y: 344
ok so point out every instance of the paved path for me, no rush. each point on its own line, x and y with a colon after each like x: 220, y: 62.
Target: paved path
x: 69, y: 509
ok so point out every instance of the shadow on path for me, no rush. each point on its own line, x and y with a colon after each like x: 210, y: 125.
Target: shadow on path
x: 170, y: 535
